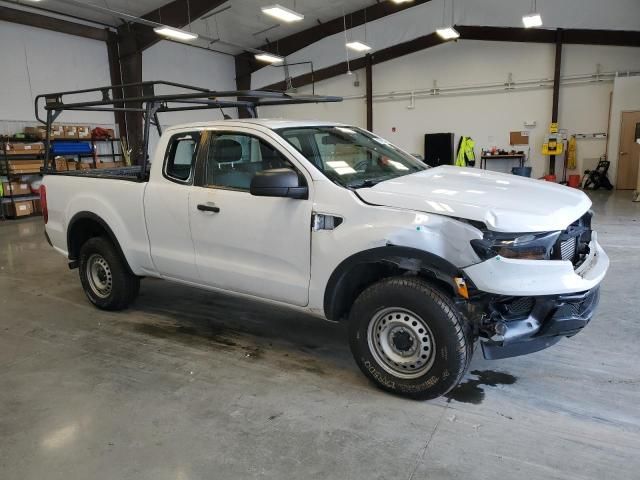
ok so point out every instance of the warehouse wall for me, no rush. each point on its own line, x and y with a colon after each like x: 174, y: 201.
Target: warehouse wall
x: 190, y: 66
x: 488, y: 118
x: 36, y: 61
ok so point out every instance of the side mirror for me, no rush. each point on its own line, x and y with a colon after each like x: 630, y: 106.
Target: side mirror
x: 278, y: 182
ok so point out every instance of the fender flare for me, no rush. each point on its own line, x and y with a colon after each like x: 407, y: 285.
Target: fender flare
x: 409, y: 259
x: 73, y: 259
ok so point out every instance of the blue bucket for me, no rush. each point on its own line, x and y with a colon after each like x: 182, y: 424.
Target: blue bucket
x: 522, y: 171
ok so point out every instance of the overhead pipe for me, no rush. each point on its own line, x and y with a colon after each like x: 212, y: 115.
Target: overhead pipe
x: 496, y: 87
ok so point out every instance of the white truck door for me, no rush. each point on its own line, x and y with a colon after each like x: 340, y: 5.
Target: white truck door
x: 167, y: 209
x: 259, y: 246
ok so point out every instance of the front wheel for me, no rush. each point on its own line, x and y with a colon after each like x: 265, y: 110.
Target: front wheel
x: 105, y: 277
x: 408, y: 337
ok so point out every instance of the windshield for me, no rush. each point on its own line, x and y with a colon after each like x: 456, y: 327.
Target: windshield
x: 351, y: 157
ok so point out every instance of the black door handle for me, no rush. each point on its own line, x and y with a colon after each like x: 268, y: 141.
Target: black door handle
x: 208, y: 208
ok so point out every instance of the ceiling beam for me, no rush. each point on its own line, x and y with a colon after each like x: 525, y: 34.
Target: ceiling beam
x: 539, y: 35
x: 31, y: 19
x: 499, y: 34
x: 297, y: 41
x: 384, y: 55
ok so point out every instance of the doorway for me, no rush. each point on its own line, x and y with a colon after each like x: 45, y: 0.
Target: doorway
x: 629, y: 156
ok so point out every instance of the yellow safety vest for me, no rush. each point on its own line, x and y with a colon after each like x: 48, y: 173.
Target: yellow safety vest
x: 466, y: 155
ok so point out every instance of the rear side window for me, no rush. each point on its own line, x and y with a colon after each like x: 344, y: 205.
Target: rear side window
x: 181, y: 156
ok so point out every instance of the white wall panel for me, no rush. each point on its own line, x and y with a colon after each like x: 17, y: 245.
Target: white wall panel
x: 36, y: 61
x: 190, y: 66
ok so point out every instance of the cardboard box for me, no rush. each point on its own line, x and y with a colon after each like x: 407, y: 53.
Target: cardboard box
x: 519, y: 138
x: 57, y: 131
x: 25, y: 148
x: 61, y: 164
x: 84, y: 132
x: 105, y: 165
x: 15, y: 188
x: 20, y: 209
x: 84, y: 166
x: 20, y: 167
x: 36, y: 132
x: 70, y: 132
x: 71, y: 165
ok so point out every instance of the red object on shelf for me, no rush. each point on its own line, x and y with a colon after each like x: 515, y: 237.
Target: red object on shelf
x: 550, y: 178
x: 574, y: 181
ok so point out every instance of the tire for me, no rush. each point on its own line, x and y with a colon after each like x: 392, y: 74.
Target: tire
x: 408, y: 338
x: 105, y: 277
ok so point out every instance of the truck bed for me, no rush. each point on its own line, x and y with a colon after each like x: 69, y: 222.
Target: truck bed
x: 131, y: 174
x: 98, y: 194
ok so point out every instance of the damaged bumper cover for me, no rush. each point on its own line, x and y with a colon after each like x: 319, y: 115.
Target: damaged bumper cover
x: 506, y: 276
x: 550, y: 319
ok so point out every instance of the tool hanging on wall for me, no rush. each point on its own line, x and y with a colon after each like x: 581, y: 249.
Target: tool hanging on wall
x: 553, y: 144
x: 572, y: 153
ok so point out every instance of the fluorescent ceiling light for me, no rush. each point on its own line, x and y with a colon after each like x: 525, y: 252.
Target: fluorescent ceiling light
x: 532, y: 20
x: 358, y: 46
x: 269, y: 58
x: 401, y: 1
x: 282, y: 13
x: 448, y: 33
x: 175, y: 33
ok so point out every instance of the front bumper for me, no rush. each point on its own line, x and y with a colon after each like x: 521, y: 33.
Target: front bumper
x: 550, y: 319
x: 514, y: 277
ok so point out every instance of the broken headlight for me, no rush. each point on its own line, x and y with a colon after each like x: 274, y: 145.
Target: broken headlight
x: 527, y: 246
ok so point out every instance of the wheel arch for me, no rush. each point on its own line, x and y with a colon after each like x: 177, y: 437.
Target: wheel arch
x: 84, y: 226
x: 362, y: 269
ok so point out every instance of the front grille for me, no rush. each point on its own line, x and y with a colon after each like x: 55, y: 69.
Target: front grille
x: 568, y: 248
x: 579, y: 306
x: 514, y: 308
x: 573, y: 243
x: 521, y: 306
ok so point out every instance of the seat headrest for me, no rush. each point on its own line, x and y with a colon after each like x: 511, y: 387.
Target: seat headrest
x: 227, y: 150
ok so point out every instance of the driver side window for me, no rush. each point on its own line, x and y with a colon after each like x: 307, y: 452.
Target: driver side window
x: 234, y: 159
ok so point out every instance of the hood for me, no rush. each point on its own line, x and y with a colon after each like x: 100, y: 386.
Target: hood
x: 505, y: 203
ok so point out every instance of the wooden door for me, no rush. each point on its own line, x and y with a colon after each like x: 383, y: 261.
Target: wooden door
x: 629, y: 153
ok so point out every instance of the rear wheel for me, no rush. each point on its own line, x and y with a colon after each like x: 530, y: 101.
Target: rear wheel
x: 407, y: 336
x: 105, y: 277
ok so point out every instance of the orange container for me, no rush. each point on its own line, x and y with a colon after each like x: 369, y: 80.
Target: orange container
x: 574, y: 181
x: 550, y: 178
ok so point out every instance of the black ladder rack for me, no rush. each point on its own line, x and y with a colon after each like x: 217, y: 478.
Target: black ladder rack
x: 145, y: 100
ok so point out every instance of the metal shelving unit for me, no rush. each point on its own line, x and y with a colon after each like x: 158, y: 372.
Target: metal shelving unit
x: 94, y: 141
x: 9, y: 198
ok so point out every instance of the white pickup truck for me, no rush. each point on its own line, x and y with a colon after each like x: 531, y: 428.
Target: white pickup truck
x: 337, y: 222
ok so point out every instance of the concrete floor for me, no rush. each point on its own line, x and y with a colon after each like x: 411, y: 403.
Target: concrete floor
x: 193, y: 385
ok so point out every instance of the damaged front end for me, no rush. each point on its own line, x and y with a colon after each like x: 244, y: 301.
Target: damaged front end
x: 513, y: 326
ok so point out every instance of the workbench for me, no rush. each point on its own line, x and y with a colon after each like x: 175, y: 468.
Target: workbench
x: 521, y: 157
